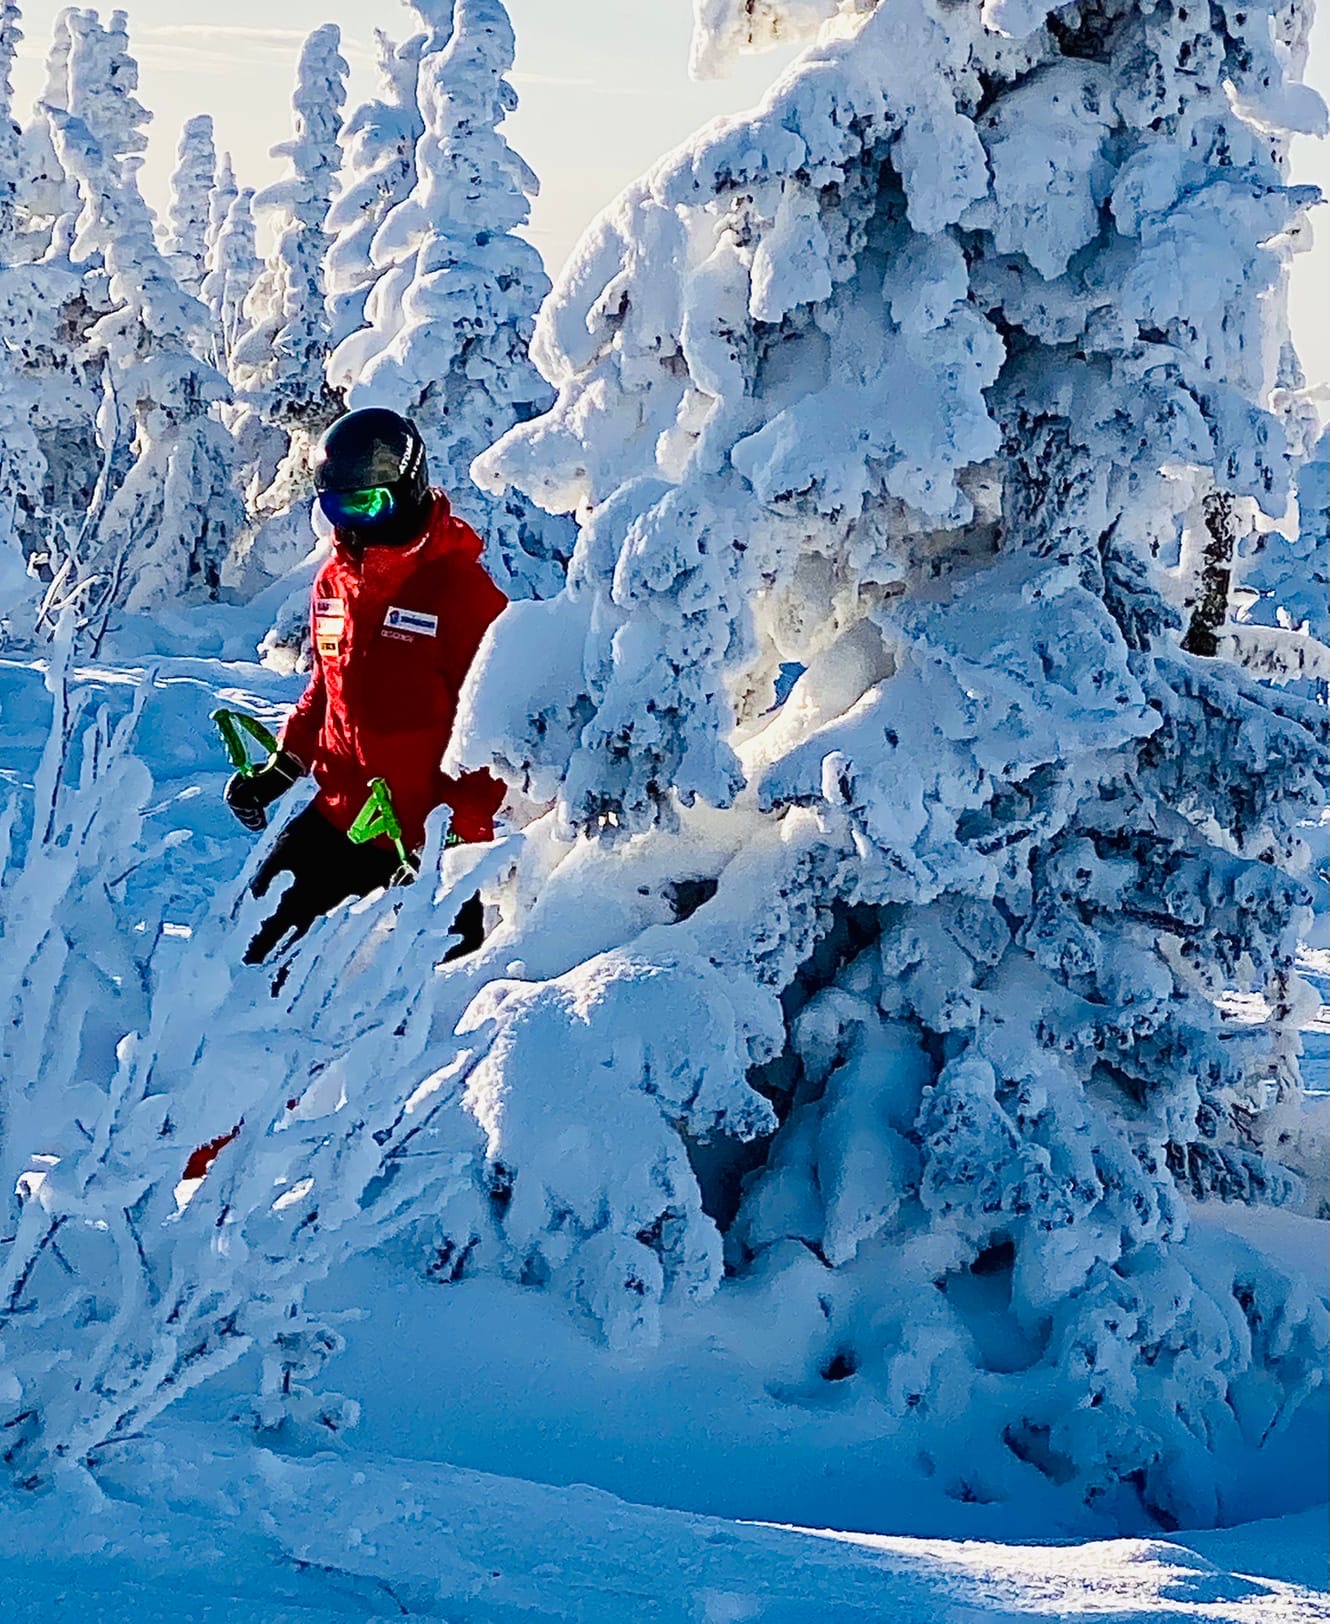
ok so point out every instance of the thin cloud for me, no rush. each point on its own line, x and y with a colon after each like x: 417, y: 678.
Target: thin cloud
x: 203, y: 46
x: 220, y: 33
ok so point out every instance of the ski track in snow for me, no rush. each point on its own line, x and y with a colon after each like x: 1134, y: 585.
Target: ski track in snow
x: 199, y: 1528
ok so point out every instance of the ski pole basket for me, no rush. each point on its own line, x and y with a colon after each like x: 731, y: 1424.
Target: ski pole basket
x: 233, y: 727
x: 378, y: 817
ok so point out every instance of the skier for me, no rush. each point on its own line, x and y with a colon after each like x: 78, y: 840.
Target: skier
x: 398, y: 614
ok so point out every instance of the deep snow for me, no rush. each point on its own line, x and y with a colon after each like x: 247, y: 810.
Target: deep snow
x: 262, y: 1537
x: 926, y: 958
x: 199, y: 1524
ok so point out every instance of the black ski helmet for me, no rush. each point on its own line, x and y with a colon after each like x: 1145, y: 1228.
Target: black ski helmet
x: 367, y: 451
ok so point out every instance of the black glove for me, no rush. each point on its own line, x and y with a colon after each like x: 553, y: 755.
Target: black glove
x: 250, y: 797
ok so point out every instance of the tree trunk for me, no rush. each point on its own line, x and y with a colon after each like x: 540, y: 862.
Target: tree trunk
x: 1210, y: 606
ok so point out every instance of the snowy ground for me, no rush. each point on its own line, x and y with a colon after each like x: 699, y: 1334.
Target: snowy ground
x: 1315, y: 967
x: 197, y: 1525
x: 261, y: 1537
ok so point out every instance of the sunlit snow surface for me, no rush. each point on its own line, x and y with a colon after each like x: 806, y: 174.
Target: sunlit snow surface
x: 259, y: 1537
x: 199, y: 1525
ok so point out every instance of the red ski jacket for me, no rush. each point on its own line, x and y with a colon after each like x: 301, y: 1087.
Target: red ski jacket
x: 395, y: 629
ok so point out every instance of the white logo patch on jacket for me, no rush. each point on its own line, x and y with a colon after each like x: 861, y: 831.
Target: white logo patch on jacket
x: 410, y: 622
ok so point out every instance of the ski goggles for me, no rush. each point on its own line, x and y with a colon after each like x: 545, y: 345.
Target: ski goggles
x: 358, y: 510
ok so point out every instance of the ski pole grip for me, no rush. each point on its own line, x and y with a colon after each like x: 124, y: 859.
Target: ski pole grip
x: 233, y: 725
x: 378, y: 817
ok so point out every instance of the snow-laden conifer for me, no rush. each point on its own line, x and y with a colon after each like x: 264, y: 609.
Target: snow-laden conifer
x: 23, y: 471
x: 908, y: 386
x: 450, y: 349
x: 165, y: 524
x: 396, y: 242
x: 193, y: 185
x: 50, y: 197
x: 1303, y: 597
x: 51, y: 397
x: 378, y: 170
x: 224, y: 192
x: 21, y: 466
x: 366, y: 271
x: 279, y: 362
x: 1262, y: 1122
x: 10, y: 135
x: 103, y: 80
x: 234, y: 268
x: 724, y: 28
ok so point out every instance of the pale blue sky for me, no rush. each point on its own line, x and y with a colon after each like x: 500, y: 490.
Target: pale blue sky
x: 604, y: 88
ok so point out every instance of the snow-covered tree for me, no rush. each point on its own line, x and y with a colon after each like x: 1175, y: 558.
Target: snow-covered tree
x: 10, y: 134
x: 192, y: 188
x: 234, y: 267
x: 449, y: 347
x: 278, y: 364
x: 724, y: 28
x: 50, y: 197
x: 224, y: 192
x: 167, y: 525
x: 396, y: 243
x: 1255, y: 1130
x: 49, y: 403
x: 103, y: 78
x: 1304, y: 592
x: 22, y: 469
x: 51, y: 398
x: 912, y: 382
x: 378, y: 171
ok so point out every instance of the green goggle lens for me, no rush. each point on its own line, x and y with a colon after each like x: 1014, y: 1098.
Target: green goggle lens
x: 351, y: 508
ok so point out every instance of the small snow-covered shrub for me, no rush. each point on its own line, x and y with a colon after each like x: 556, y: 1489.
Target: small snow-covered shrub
x: 118, y: 1060
x: 73, y: 973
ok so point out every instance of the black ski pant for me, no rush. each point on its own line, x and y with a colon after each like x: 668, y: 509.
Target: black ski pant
x: 326, y: 869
